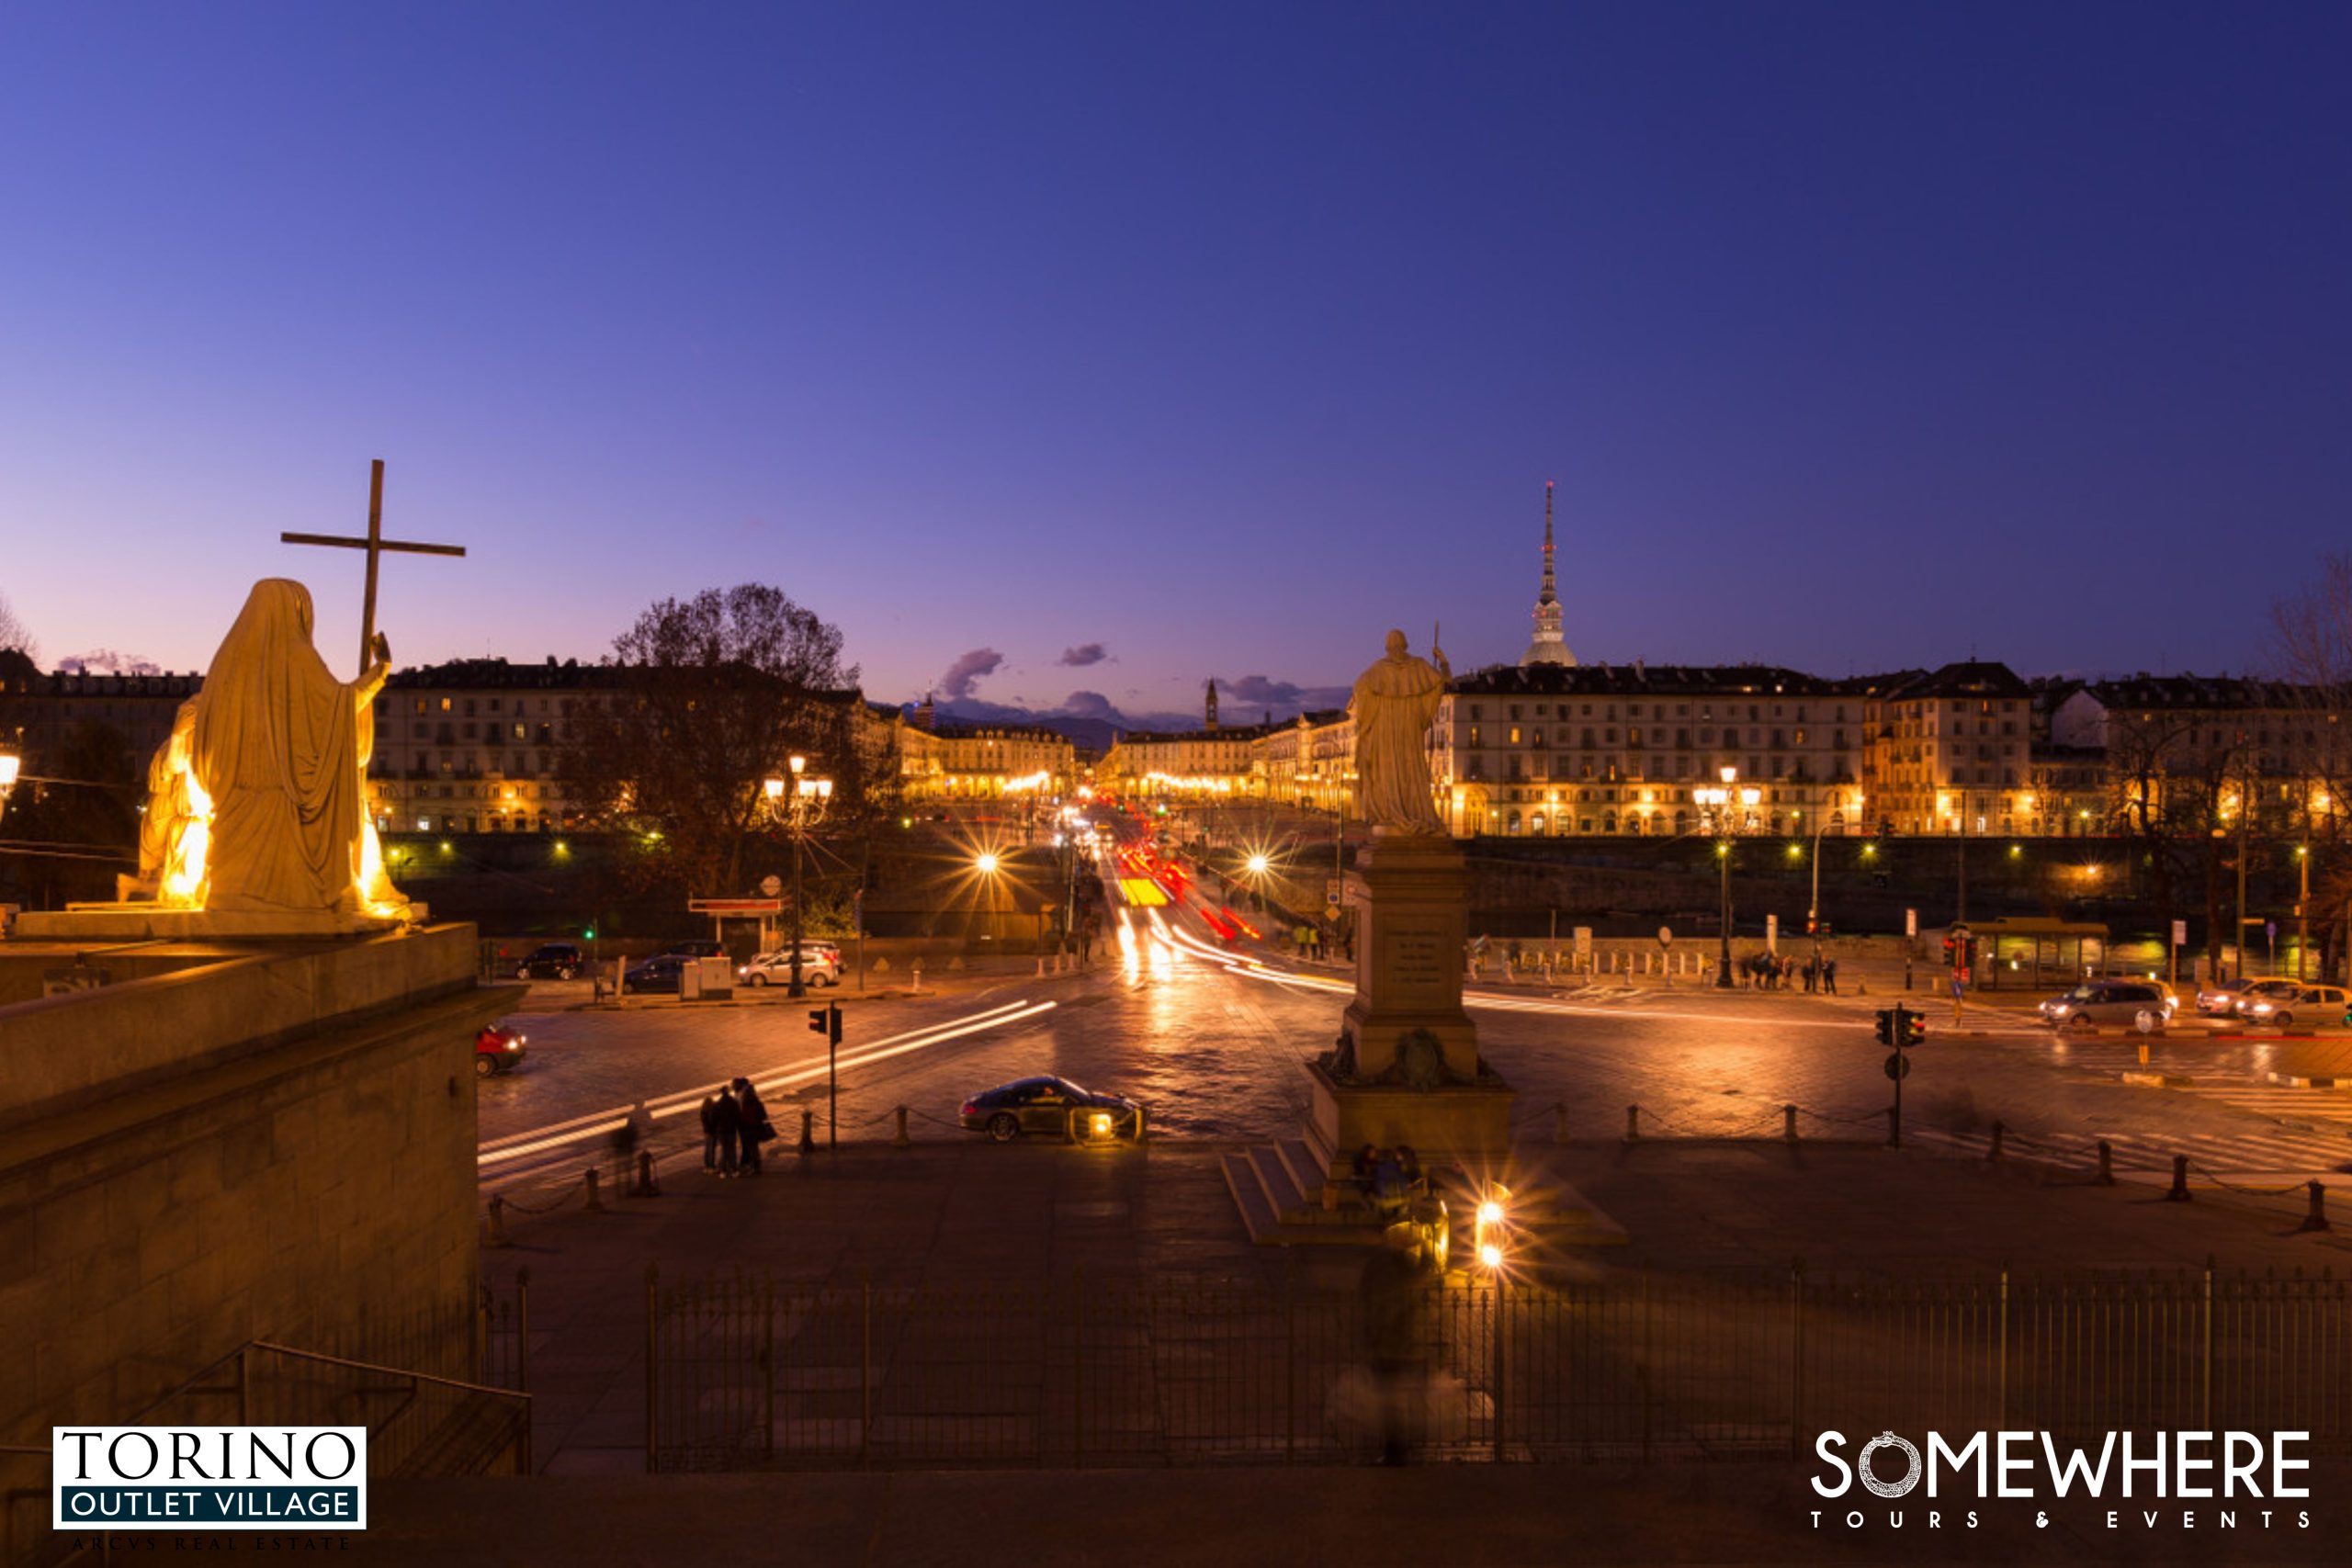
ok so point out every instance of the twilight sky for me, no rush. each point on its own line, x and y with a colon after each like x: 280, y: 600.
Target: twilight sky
x: 1104, y: 348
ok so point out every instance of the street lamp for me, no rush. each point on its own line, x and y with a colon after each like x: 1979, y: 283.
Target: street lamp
x: 1720, y: 802
x: 9, y: 764
x: 797, y: 804
x: 1813, y: 910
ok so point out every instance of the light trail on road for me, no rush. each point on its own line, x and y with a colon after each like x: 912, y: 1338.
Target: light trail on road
x: 1258, y: 969
x: 539, y: 1140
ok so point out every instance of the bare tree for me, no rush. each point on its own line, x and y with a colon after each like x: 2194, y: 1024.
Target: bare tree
x: 715, y: 693
x: 15, y: 633
x: 2311, y: 647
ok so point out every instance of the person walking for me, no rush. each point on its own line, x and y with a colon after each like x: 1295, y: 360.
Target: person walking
x: 710, y: 1136
x: 756, y: 1127
x: 1829, y: 976
x: 1387, y: 1294
x: 729, y: 1118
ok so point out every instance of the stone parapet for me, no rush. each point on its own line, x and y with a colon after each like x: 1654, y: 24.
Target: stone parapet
x: 61, y: 1051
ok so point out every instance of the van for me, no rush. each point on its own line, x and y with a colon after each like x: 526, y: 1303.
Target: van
x: 2109, y: 1001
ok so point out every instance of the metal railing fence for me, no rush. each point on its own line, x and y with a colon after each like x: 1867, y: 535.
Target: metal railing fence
x: 745, y: 1372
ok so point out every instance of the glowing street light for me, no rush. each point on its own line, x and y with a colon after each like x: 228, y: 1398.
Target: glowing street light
x: 986, y: 862
x: 797, y: 804
x: 9, y: 764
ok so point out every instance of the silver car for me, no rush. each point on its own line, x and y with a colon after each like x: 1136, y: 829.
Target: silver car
x: 2312, y: 1004
x: 2095, y: 1002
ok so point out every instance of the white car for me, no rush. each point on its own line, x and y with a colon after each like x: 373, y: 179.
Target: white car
x: 820, y: 964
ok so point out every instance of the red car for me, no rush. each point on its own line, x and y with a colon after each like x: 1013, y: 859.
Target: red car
x: 496, y: 1049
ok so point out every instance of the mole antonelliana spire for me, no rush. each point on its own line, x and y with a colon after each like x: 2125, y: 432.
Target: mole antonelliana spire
x: 1548, y: 647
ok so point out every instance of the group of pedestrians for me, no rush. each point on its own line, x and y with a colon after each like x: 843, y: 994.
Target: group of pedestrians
x: 1780, y: 972
x: 734, y: 1125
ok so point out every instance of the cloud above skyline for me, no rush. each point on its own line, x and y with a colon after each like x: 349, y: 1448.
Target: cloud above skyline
x: 1085, y: 653
x: 968, y: 671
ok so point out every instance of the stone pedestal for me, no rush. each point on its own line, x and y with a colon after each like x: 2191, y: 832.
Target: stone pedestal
x: 1411, y: 897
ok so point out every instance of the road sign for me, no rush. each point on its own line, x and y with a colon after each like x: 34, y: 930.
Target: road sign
x: 1332, y: 888
x: 771, y: 885
x: 2270, y: 930
x: 1666, y: 936
x: 1584, y: 942
x: 1898, y: 1066
x: 2180, y: 933
x: 1910, y: 922
x: 734, y: 906
x: 2144, y: 1022
x: 1332, y: 898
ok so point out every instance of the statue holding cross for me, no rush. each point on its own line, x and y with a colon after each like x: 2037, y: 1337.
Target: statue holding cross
x: 258, y: 800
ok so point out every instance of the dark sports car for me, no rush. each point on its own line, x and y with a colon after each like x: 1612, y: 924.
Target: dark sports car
x: 1051, y: 1105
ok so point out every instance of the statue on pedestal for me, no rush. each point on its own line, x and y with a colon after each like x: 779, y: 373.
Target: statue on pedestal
x: 256, y: 802
x: 1393, y: 704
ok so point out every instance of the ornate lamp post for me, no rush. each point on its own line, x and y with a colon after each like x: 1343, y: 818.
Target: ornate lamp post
x: 1719, y: 802
x: 797, y: 804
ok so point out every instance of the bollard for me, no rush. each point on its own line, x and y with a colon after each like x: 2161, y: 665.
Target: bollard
x: 2106, y: 1163
x: 1789, y: 1122
x: 1995, y: 1153
x: 901, y: 1141
x: 1632, y: 1123
x: 498, y: 1220
x: 807, y: 1133
x: 595, y: 1203
x: 1041, y: 966
x: 914, y: 978
x: 2179, y: 1193
x: 645, y: 1186
x: 2317, y: 1220
x: 1560, y: 1123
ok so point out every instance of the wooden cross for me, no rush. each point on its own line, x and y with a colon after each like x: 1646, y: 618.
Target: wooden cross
x: 374, y: 544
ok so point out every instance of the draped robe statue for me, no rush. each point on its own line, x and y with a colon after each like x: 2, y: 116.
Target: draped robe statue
x: 256, y: 801
x: 1393, y: 704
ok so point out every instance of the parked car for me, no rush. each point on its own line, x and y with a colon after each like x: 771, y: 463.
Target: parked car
x: 2110, y: 1001
x: 657, y: 974
x: 553, y: 961
x: 2312, y: 1004
x: 696, y: 947
x: 496, y: 1050
x: 820, y: 964
x: 1045, y: 1105
x: 2256, y: 992
x: 2219, y: 997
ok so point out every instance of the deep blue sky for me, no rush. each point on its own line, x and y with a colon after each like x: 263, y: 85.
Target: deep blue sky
x: 1856, y: 336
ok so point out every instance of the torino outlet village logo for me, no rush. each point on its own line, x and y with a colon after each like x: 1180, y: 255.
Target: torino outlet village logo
x: 2147, y: 1480
x: 210, y: 1478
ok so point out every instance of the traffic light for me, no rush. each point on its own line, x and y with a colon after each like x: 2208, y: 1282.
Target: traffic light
x: 1886, y: 1026
x: 1910, y: 1026
x: 827, y: 1022
x: 588, y: 935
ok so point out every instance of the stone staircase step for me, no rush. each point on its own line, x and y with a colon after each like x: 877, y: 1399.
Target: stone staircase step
x: 1259, y: 1215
